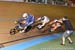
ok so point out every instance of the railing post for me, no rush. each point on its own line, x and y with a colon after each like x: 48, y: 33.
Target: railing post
x: 46, y: 1
x: 26, y: 1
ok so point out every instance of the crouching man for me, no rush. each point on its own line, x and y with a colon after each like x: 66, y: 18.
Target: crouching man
x: 43, y: 21
x: 55, y: 24
x: 25, y: 22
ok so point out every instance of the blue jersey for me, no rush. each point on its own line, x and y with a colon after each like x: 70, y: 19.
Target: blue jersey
x: 30, y: 19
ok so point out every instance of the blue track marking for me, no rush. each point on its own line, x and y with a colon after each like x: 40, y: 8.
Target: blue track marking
x: 30, y: 43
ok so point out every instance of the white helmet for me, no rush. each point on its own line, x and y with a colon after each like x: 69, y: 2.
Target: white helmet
x: 25, y: 15
x: 43, y: 17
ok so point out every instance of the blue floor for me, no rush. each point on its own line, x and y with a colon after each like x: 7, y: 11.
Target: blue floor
x: 27, y: 44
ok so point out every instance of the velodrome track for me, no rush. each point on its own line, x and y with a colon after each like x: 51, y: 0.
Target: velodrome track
x: 9, y: 12
x: 6, y: 39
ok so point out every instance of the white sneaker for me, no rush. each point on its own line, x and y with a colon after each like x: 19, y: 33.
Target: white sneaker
x: 39, y: 26
x: 21, y: 31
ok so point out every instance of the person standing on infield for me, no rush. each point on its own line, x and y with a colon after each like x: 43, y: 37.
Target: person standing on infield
x: 68, y: 32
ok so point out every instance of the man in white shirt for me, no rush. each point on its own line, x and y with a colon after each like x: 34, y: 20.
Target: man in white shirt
x: 43, y: 20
